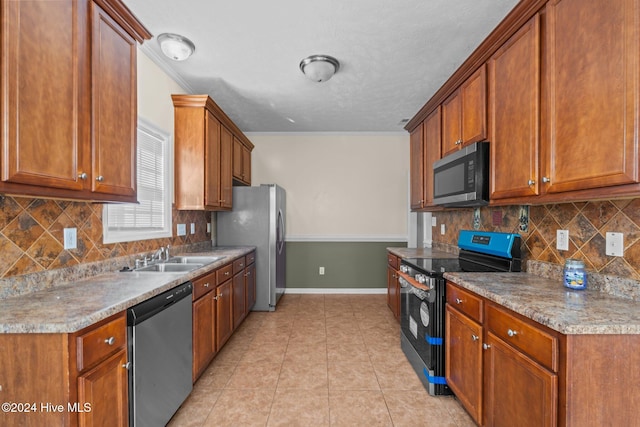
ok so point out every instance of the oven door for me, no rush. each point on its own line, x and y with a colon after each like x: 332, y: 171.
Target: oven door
x: 419, y: 323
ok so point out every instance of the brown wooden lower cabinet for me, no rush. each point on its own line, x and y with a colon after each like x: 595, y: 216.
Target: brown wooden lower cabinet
x: 67, y: 379
x: 224, y: 313
x: 250, y: 282
x: 508, y: 370
x: 393, y: 285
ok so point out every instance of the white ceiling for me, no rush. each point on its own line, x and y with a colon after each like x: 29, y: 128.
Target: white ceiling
x: 394, y: 55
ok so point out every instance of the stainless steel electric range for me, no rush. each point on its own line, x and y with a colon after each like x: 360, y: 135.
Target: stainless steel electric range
x: 423, y: 298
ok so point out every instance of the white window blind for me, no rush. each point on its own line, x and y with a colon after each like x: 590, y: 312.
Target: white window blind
x: 151, y: 218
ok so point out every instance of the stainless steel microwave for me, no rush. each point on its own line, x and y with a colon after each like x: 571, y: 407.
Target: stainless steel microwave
x: 462, y: 178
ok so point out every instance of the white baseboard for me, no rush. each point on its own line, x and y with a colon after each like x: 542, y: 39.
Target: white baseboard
x: 362, y: 291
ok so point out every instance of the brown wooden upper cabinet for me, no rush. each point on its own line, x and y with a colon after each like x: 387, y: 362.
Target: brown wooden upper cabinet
x: 464, y: 113
x: 204, y: 149
x: 593, y: 73
x: 425, y: 143
x: 241, y: 161
x: 70, y: 106
x: 514, y: 114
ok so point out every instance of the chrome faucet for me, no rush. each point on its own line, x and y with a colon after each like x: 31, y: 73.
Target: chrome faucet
x: 157, y: 255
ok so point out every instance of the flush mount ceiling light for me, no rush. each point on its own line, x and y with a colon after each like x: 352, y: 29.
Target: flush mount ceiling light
x: 175, y: 46
x: 319, y: 68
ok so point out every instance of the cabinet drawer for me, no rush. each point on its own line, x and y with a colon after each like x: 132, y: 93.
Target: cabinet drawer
x: 465, y: 302
x: 98, y: 343
x: 223, y: 274
x: 203, y: 284
x: 251, y: 258
x: 525, y: 336
x: 393, y: 261
x: 238, y: 265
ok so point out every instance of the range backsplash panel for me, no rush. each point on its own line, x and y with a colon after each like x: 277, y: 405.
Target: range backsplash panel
x: 587, y: 222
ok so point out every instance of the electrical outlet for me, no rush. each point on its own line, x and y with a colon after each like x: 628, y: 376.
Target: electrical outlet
x: 615, y: 244
x: 442, y: 229
x: 562, y: 240
x: 321, y: 271
x: 208, y: 227
x: 193, y: 228
x: 182, y: 229
x: 70, y: 238
x: 433, y: 221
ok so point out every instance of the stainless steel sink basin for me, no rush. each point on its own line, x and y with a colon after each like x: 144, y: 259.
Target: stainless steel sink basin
x: 168, y: 267
x: 187, y: 259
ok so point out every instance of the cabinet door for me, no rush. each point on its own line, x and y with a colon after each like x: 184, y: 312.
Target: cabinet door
x: 225, y: 168
x: 416, y: 155
x: 463, y: 361
x: 432, y: 151
x: 212, y: 194
x: 393, y: 292
x: 238, y: 298
x: 246, y: 165
x: 224, y: 313
x: 105, y: 389
x: 204, y: 344
x: 518, y: 391
x: 250, y: 286
x: 46, y: 83
x: 473, y: 94
x: 514, y: 114
x: 593, y: 60
x: 237, y: 159
x: 452, y: 123
x: 114, y: 107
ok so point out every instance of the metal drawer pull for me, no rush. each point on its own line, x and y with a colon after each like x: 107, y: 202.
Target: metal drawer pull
x: 474, y: 337
x: 486, y: 346
x: 127, y: 365
x: 206, y: 285
x: 458, y: 301
x: 110, y: 341
x: 512, y: 333
x: 226, y: 273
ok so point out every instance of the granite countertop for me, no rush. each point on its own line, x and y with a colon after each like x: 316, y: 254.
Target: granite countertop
x: 546, y: 301
x: 73, y: 306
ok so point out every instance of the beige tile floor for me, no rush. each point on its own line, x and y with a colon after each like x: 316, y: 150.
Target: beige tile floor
x: 318, y: 360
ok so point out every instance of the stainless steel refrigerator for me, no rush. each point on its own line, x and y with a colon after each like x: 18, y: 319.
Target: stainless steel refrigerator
x: 258, y: 219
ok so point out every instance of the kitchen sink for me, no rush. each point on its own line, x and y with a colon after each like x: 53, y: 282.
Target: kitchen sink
x: 168, y: 267
x: 186, y: 259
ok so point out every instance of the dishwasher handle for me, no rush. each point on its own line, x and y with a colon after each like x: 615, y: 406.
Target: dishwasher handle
x: 140, y: 312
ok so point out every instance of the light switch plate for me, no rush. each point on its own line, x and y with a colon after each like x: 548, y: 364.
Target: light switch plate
x: 208, y: 227
x: 182, y: 229
x: 70, y: 238
x: 442, y: 229
x: 615, y: 244
x: 562, y: 240
x: 433, y: 221
x: 193, y: 228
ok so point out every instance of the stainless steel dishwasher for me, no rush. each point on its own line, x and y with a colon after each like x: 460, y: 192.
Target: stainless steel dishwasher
x: 160, y: 352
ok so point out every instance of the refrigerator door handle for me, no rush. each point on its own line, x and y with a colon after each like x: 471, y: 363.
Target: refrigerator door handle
x: 280, y: 232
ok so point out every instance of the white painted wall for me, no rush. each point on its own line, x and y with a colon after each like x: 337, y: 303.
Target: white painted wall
x: 155, y: 88
x: 339, y: 186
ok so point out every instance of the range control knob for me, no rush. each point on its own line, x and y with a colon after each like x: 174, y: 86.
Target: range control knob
x: 404, y: 268
x: 431, y: 283
x: 421, y: 278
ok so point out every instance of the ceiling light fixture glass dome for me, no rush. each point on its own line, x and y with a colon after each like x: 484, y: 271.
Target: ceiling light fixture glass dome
x: 175, y: 46
x: 319, y: 68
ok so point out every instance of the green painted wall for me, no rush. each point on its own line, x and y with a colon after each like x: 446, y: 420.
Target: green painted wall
x: 347, y: 264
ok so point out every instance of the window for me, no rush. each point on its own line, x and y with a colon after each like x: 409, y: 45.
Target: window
x: 151, y: 218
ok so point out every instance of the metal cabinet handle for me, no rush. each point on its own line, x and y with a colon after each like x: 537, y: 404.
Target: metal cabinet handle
x: 486, y: 346
x: 206, y: 285
x: 82, y: 175
x: 248, y: 273
x: 100, y: 178
x: 226, y: 273
x: 512, y: 333
x: 532, y: 181
x: 474, y: 337
x: 110, y: 341
x: 458, y: 301
x: 127, y: 365
x: 546, y: 180
x: 217, y: 297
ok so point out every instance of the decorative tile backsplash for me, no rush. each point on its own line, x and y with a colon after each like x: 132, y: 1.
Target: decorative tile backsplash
x: 31, y: 235
x: 587, y: 222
